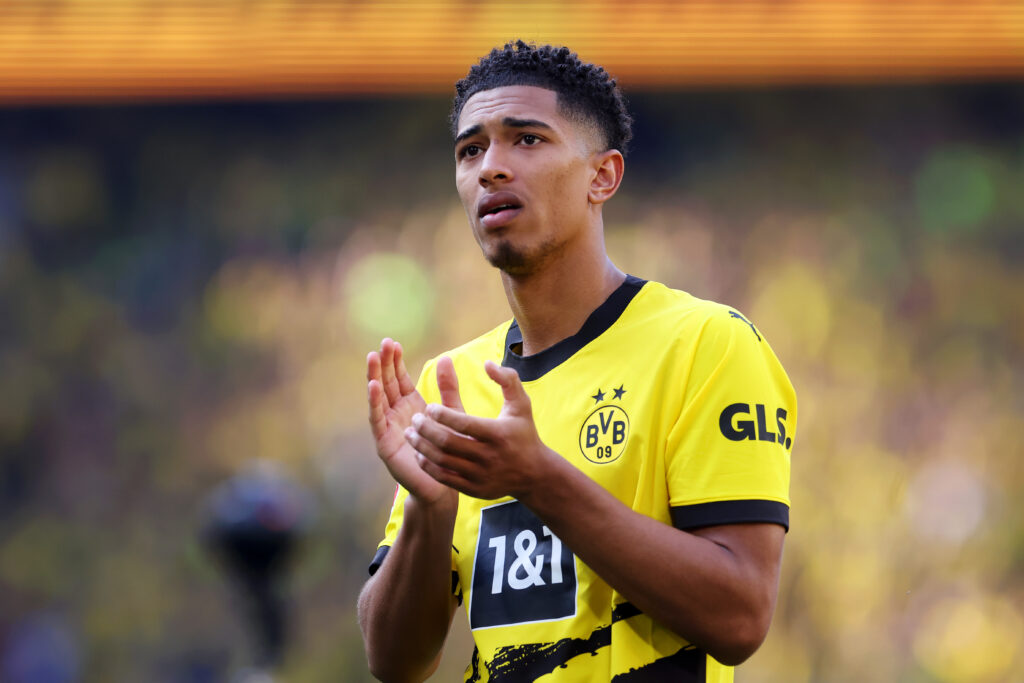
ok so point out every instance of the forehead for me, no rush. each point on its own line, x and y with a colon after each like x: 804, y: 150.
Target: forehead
x: 511, y: 101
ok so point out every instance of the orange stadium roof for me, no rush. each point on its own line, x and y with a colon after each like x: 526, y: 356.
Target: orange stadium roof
x: 103, y: 50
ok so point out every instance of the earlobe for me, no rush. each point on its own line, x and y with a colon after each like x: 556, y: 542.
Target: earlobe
x: 608, y: 174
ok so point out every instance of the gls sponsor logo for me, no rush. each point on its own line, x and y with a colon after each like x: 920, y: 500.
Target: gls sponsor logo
x: 736, y: 424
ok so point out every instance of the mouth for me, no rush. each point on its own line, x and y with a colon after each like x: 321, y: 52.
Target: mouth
x: 498, y: 209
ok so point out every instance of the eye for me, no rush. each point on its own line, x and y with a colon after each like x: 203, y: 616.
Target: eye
x: 529, y: 139
x: 469, y: 151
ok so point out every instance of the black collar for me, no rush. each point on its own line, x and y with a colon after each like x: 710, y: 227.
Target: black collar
x: 604, y: 316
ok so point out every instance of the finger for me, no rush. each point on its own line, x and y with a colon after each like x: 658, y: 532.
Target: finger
x: 372, y: 365
x: 517, y: 402
x: 446, y: 440
x: 387, y: 368
x: 375, y: 397
x: 478, y: 428
x: 444, y: 476
x: 448, y: 384
x: 452, y: 462
x: 373, y: 371
x: 405, y: 383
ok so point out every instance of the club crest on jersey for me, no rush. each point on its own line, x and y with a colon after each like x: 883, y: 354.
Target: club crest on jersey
x: 605, y: 431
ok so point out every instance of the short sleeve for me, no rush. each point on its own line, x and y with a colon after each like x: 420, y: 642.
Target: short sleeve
x: 728, y: 452
x: 427, y: 386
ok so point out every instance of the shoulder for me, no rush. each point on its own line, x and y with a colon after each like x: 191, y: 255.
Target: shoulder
x: 689, y: 319
x: 707, y: 340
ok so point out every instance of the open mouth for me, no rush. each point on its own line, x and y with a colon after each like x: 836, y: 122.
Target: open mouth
x: 500, y: 216
x: 499, y: 208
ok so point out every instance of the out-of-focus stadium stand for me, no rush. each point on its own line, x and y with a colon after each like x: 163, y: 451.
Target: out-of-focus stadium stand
x: 88, y: 50
x: 190, y: 282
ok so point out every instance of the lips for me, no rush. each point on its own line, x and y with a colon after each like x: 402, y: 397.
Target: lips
x: 497, y: 209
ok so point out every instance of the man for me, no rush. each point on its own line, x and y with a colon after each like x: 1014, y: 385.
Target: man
x: 603, y: 480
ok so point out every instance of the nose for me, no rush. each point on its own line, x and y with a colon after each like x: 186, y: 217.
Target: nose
x: 495, y: 165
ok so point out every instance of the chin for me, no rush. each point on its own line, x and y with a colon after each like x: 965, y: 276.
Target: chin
x: 517, y: 261
x: 508, y: 259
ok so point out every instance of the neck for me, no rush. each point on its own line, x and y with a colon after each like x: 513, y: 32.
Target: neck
x: 553, y: 302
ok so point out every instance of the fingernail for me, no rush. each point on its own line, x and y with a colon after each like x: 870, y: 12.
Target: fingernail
x: 433, y: 410
x: 417, y: 419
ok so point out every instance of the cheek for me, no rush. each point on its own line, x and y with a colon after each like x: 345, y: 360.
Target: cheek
x: 466, y: 195
x: 569, y: 186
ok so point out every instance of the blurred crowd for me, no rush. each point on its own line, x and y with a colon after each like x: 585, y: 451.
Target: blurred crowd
x: 189, y: 291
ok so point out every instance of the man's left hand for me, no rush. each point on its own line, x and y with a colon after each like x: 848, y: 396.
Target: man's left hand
x: 481, y: 457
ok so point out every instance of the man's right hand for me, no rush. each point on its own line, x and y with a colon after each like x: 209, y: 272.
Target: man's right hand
x: 393, y: 401
x: 406, y: 608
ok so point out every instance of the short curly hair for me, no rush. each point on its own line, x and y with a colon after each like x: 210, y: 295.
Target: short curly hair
x: 585, y: 91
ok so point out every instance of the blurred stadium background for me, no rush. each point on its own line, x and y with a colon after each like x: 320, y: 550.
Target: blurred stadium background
x: 209, y: 212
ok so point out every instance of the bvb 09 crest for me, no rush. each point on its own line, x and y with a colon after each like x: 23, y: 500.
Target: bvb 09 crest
x: 604, y: 433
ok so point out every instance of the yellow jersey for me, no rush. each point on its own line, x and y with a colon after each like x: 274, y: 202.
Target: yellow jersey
x: 680, y: 409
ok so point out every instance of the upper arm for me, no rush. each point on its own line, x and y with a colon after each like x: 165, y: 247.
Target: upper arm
x: 741, y: 590
x: 756, y: 548
x: 728, y: 459
x: 756, y: 553
x: 728, y: 449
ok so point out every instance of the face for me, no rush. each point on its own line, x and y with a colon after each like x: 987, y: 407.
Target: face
x: 523, y: 172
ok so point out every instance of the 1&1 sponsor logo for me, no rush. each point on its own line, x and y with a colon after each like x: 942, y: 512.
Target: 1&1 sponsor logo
x: 521, y: 573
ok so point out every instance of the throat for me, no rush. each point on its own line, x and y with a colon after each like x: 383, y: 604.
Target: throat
x: 548, y: 315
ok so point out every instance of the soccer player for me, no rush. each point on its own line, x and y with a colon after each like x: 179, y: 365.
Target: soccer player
x: 603, y: 480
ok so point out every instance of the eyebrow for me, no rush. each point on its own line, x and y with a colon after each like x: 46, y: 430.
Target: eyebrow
x: 508, y: 121
x: 524, y: 123
x: 469, y: 132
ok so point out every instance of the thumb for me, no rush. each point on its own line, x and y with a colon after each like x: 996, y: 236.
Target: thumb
x: 517, y: 402
x: 448, y: 384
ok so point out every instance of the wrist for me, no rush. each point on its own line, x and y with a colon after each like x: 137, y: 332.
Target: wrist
x: 546, y: 479
x: 439, y: 514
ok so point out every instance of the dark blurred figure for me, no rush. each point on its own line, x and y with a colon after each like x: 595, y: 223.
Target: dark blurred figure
x: 254, y: 524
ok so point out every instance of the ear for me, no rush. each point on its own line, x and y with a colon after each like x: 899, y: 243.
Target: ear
x: 608, y: 169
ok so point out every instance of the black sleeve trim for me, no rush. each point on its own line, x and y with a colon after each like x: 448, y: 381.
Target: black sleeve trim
x: 730, y: 512
x: 378, y: 558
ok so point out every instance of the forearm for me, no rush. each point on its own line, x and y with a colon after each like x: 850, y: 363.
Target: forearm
x: 405, y: 609
x: 698, y: 588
